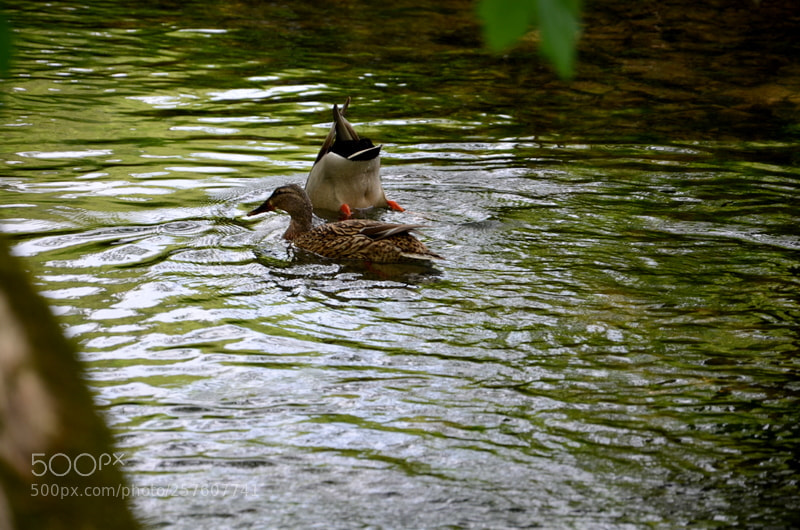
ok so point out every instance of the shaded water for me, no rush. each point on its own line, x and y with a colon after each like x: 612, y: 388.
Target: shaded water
x: 612, y: 341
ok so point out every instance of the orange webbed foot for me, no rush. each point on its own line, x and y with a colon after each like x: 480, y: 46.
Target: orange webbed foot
x: 396, y: 207
x: 346, y: 211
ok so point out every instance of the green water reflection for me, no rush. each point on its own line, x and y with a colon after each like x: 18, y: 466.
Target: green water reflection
x: 612, y: 341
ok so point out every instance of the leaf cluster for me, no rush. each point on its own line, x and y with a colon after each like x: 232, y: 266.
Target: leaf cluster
x: 558, y: 22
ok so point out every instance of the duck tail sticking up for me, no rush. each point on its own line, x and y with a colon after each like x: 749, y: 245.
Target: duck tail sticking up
x: 346, y: 173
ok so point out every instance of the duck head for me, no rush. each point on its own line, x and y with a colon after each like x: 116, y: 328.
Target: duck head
x: 290, y: 198
x: 293, y: 200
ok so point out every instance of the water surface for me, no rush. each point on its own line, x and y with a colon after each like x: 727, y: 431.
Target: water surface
x: 611, y: 343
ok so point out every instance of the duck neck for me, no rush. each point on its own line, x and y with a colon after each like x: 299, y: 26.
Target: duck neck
x: 301, y: 222
x: 296, y: 229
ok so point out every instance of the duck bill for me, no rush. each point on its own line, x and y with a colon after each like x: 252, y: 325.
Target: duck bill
x: 266, y: 207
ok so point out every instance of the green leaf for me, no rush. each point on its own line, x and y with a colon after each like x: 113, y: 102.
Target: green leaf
x: 559, y: 25
x: 505, y: 21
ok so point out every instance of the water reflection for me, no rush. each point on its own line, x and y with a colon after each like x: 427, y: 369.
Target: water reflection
x: 611, y: 341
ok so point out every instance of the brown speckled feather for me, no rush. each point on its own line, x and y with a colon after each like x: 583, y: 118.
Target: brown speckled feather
x: 364, y: 239
x: 358, y: 239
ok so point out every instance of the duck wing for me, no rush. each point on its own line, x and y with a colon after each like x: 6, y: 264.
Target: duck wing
x: 366, y: 239
x: 398, y: 238
x: 380, y: 231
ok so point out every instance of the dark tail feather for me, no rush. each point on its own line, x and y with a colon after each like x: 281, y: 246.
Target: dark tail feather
x: 344, y: 131
x: 337, y: 116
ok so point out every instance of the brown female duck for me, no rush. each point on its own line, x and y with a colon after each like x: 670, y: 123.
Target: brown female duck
x: 346, y: 174
x: 357, y: 239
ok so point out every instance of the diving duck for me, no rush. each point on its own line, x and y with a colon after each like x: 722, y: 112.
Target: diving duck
x: 354, y: 239
x: 346, y: 173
